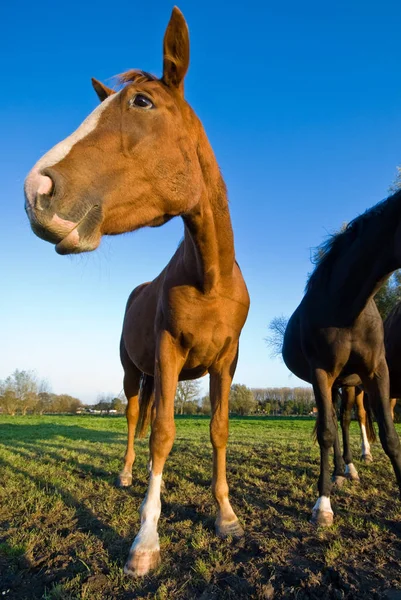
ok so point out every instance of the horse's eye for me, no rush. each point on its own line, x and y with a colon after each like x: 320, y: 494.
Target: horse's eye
x: 141, y: 101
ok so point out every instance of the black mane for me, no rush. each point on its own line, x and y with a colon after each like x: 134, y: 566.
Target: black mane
x: 333, y: 248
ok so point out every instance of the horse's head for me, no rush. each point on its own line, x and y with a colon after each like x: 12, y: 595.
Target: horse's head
x: 131, y: 163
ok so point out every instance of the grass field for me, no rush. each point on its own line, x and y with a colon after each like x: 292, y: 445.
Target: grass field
x: 65, y: 530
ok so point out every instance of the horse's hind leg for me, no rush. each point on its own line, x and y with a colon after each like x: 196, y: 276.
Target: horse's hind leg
x: 132, y: 377
x: 393, y: 402
x: 347, y: 404
x: 322, y: 513
x: 339, y: 466
x: 362, y: 420
x: 378, y: 390
x: 221, y: 376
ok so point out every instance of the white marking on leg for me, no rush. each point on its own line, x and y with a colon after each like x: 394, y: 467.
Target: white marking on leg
x: 36, y: 182
x: 323, y: 504
x: 351, y: 472
x: 147, y: 540
x: 365, y: 442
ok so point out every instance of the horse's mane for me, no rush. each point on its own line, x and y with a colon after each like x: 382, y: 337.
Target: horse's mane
x: 333, y: 248
x: 135, y: 76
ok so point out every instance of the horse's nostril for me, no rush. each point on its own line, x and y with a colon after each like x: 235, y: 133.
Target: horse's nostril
x: 44, y: 192
x: 45, y: 185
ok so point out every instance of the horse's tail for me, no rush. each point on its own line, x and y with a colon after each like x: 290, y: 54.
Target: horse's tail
x: 370, y: 430
x: 336, y: 396
x: 146, y: 401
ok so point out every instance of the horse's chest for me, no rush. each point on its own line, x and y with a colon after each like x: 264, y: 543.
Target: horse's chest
x: 197, y: 329
x: 204, y: 344
x: 202, y: 332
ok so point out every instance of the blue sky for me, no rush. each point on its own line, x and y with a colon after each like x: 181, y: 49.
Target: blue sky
x: 302, y: 105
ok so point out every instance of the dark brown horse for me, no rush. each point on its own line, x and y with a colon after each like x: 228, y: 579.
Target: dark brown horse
x: 335, y: 337
x: 353, y: 396
x: 141, y: 158
x: 392, y: 343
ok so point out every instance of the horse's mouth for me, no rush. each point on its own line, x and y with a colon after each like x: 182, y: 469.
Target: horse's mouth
x: 84, y: 236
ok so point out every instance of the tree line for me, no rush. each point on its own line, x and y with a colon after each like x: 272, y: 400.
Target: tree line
x: 24, y: 393
x: 247, y: 401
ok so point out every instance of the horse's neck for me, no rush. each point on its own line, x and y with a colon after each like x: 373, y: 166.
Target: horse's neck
x: 208, y: 248
x: 363, y: 269
x: 208, y: 241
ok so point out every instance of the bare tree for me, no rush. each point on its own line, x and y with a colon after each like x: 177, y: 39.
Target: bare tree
x: 187, y: 392
x: 277, y: 326
x: 23, y: 386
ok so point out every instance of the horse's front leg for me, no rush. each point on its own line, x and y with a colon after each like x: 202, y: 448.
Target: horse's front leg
x: 322, y: 513
x: 220, y: 382
x: 362, y: 420
x: 144, y: 554
x: 393, y: 402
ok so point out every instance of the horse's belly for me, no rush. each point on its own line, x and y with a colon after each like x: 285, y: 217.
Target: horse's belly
x: 292, y: 352
x: 138, y: 333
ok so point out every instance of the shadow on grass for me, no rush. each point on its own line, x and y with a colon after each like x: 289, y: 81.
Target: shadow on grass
x: 10, y: 432
x: 116, y: 547
x: 13, y: 566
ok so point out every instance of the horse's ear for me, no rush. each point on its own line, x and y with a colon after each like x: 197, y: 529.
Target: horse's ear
x: 101, y: 90
x: 176, y: 51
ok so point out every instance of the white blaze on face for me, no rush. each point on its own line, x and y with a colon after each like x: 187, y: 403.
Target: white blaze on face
x: 35, y: 183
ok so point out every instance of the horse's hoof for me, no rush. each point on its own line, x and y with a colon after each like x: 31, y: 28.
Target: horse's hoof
x: 232, y: 529
x: 338, y: 481
x: 124, y: 480
x: 351, y: 473
x: 140, y: 562
x: 353, y: 478
x: 322, y: 518
x: 367, y: 458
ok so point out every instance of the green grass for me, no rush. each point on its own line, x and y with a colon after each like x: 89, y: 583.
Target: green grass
x: 65, y: 530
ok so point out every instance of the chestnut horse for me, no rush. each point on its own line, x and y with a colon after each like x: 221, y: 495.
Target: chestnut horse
x: 354, y: 396
x: 141, y: 158
x: 335, y: 337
